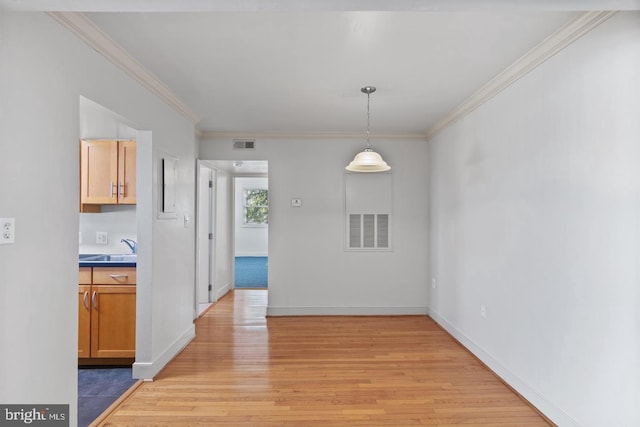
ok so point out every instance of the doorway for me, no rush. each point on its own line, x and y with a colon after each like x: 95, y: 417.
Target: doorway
x: 251, y: 232
x: 112, y: 229
x: 216, y: 220
x: 214, y: 228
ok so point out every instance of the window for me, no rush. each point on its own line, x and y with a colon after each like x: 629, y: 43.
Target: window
x: 256, y: 206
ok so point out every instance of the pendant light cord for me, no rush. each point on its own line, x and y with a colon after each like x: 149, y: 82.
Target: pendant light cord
x: 368, y: 90
x: 368, y: 119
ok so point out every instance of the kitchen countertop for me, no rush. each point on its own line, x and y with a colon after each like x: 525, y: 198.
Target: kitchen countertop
x: 107, y: 260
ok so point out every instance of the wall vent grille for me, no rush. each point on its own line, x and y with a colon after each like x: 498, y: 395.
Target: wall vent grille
x: 368, y: 212
x: 244, y: 144
x: 368, y: 231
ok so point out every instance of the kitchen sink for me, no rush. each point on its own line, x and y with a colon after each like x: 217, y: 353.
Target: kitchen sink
x: 123, y: 258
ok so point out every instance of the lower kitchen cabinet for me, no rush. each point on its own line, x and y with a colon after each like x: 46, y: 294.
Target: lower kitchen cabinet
x: 107, y: 314
x: 84, y: 321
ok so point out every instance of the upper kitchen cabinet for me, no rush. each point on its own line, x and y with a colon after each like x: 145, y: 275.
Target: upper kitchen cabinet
x: 127, y: 172
x: 107, y: 173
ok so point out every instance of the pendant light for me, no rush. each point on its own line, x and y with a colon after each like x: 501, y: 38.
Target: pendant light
x: 368, y: 160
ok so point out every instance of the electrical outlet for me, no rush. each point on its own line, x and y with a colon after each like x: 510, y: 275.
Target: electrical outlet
x: 483, y: 311
x: 102, y: 238
x: 7, y: 230
x: 433, y: 282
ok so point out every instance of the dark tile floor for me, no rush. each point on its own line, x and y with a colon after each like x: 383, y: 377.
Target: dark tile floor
x: 98, y: 388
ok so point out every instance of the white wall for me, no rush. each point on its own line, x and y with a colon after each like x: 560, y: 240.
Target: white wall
x: 97, y: 122
x: 249, y: 240
x: 118, y: 221
x: 535, y: 209
x: 45, y: 70
x: 309, y: 270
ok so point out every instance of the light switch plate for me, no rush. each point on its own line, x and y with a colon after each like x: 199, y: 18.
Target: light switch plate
x: 7, y: 231
x: 296, y: 203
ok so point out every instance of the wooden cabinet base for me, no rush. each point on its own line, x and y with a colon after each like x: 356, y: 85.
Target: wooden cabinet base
x: 120, y: 361
x: 106, y: 314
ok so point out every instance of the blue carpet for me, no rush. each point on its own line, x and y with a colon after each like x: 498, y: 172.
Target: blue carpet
x: 98, y: 388
x: 251, y: 272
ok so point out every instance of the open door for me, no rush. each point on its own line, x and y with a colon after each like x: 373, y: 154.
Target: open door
x: 205, y: 291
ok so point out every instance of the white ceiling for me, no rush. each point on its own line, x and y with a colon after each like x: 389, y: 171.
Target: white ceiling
x: 299, y: 69
x: 284, y: 72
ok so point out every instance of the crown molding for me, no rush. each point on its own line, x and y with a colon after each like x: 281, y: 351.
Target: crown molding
x: 91, y: 34
x: 207, y: 134
x: 312, y: 5
x: 553, y: 44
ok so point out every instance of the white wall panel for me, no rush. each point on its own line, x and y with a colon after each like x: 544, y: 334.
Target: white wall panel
x: 45, y: 71
x: 535, y: 205
x: 309, y: 271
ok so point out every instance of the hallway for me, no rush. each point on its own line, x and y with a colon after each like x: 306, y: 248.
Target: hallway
x: 245, y: 370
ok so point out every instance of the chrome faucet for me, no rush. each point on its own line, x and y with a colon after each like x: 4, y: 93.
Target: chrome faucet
x: 132, y: 245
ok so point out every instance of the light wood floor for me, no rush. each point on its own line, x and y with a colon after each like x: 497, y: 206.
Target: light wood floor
x: 245, y: 370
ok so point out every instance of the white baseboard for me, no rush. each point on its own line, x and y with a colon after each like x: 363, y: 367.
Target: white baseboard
x: 551, y: 411
x: 147, y: 370
x: 252, y: 254
x: 346, y: 311
x: 222, y: 291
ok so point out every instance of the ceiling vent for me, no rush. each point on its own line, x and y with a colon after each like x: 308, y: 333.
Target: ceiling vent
x: 244, y: 144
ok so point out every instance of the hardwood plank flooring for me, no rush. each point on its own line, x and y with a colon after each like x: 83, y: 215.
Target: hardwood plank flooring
x: 243, y: 369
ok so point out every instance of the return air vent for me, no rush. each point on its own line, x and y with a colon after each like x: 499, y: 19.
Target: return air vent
x: 368, y: 212
x: 368, y: 231
x: 244, y: 144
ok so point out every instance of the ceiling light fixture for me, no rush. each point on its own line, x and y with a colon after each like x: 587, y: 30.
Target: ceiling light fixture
x: 368, y: 160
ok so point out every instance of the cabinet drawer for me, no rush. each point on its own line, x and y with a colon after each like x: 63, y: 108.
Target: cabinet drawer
x: 84, y: 277
x: 114, y: 275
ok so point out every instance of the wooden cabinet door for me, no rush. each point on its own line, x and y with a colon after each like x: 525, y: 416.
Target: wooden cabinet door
x: 84, y: 320
x: 127, y: 172
x: 113, y: 321
x: 99, y: 172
